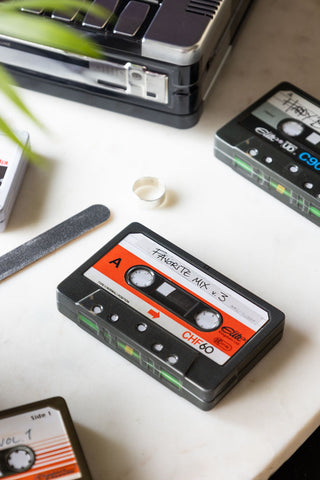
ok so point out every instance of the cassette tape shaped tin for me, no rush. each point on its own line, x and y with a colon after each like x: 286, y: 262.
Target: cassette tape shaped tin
x: 182, y: 322
x: 38, y: 441
x: 275, y: 143
x: 13, y: 164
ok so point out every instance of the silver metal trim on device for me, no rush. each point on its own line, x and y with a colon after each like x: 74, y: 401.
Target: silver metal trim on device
x: 126, y: 78
x: 211, y: 35
x: 189, y: 54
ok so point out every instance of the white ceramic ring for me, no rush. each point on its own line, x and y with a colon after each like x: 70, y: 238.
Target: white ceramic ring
x: 150, y: 190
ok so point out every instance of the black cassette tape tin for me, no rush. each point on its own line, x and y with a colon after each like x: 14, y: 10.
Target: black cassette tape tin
x: 159, y: 57
x: 38, y: 441
x: 182, y: 322
x: 275, y: 143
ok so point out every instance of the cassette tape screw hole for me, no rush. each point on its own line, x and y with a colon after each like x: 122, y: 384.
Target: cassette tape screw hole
x: 308, y: 185
x: 173, y: 359
x: 157, y: 347
x: 97, y: 309
x: 294, y: 168
x: 268, y: 160
x: 142, y: 327
x: 114, y: 317
x: 253, y: 152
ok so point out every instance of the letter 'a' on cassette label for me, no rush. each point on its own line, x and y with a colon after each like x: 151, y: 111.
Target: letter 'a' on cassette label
x: 116, y: 262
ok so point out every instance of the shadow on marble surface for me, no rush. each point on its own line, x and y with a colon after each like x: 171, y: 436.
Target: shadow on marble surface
x: 282, y: 357
x: 106, y: 458
x: 270, y: 48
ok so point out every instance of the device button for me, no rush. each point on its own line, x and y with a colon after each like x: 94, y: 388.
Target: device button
x: 36, y: 11
x: 132, y: 18
x: 65, y: 16
x: 94, y: 21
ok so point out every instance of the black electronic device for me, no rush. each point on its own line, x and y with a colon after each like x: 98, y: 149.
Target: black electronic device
x: 159, y: 57
x: 275, y: 143
x: 185, y: 324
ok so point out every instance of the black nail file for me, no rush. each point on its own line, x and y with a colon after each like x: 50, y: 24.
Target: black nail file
x: 52, y: 239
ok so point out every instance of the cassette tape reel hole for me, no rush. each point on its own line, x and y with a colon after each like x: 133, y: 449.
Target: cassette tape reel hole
x: 141, y: 277
x: 20, y: 459
x: 208, y: 319
x: 291, y: 127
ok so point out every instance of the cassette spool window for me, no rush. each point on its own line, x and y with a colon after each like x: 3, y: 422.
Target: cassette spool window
x: 171, y: 296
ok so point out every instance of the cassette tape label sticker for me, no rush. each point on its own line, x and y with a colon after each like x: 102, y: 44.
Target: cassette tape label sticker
x: 297, y: 107
x: 285, y: 116
x: 30, y: 453
x: 186, y: 302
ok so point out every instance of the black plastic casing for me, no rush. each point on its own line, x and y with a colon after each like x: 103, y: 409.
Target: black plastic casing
x: 230, y: 140
x: 199, y: 379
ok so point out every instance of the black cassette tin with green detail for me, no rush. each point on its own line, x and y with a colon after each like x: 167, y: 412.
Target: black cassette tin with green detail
x: 275, y: 143
x: 183, y: 323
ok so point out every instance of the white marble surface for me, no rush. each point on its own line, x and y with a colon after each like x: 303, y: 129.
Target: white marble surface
x: 130, y: 426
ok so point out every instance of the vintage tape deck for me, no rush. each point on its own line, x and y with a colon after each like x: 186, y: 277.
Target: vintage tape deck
x: 159, y: 57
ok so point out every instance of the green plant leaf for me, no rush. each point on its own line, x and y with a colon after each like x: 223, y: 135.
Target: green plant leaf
x: 43, y: 31
x: 7, y: 86
x: 7, y: 130
x: 62, y: 5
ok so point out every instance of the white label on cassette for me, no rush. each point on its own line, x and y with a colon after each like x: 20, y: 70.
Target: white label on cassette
x: 44, y: 432
x: 196, y: 280
x: 225, y: 320
x: 297, y: 107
